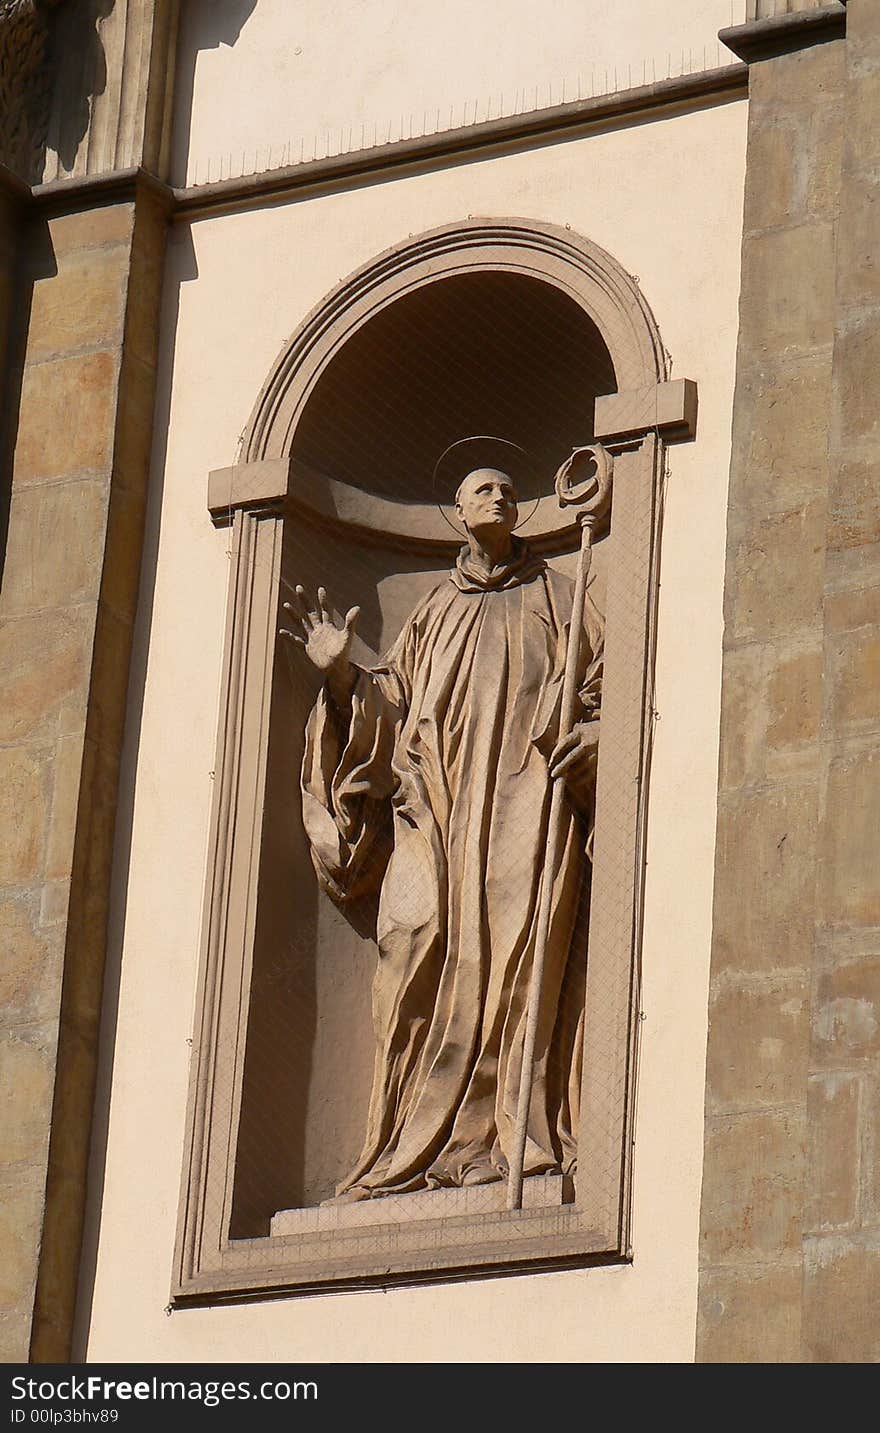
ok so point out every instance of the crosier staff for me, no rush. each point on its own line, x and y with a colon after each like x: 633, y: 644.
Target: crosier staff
x: 591, y: 496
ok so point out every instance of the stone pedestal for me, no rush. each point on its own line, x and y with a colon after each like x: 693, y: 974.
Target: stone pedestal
x: 542, y: 1191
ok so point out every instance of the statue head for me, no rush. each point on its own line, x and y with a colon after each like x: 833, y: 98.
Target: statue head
x: 486, y: 501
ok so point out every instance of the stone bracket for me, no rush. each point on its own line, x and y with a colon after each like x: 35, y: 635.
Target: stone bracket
x: 261, y: 484
x: 667, y: 408
x: 781, y: 34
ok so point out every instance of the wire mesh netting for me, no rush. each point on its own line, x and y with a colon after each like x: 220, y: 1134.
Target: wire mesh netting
x: 408, y: 834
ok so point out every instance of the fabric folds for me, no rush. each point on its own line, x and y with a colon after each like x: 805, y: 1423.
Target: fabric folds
x: 430, y: 797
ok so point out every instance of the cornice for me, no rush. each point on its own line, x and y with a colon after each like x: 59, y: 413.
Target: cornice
x: 64, y: 196
x: 708, y: 87
x: 695, y: 91
x: 783, y: 34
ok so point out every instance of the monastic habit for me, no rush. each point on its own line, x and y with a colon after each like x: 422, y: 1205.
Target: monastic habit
x: 432, y: 791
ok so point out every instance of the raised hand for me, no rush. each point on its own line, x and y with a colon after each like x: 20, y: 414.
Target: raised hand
x: 325, y: 644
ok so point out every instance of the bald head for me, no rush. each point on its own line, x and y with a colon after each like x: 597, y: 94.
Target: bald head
x: 486, y: 504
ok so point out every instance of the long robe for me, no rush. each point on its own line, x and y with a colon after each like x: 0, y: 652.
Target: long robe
x: 433, y: 793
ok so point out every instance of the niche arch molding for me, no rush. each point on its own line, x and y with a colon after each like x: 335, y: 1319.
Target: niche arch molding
x: 558, y: 256
x: 262, y: 488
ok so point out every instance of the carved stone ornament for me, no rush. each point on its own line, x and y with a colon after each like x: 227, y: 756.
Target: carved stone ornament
x: 24, y: 82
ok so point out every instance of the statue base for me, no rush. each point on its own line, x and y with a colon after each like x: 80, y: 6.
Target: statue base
x: 540, y: 1191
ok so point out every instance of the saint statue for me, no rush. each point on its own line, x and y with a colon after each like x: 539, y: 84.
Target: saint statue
x: 426, y: 787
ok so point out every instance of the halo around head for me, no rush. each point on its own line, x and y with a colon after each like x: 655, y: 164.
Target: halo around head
x: 464, y: 456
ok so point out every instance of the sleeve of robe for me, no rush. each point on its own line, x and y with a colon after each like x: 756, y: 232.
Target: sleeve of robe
x: 347, y: 781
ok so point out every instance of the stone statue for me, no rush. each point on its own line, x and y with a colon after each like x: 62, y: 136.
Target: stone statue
x: 426, y: 784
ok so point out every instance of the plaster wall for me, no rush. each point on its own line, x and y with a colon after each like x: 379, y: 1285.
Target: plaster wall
x: 261, y: 84
x: 236, y: 286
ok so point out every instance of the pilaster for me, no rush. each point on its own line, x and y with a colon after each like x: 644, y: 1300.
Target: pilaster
x: 842, y: 1217
x: 790, y: 1239
x: 79, y: 398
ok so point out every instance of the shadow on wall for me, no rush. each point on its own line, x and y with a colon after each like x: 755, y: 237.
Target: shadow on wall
x: 78, y: 65
x: 204, y: 25
x: 52, y: 65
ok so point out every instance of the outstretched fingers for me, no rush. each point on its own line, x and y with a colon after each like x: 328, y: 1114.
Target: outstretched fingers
x: 314, y: 622
x: 298, y: 617
x: 307, y: 614
x: 323, y: 609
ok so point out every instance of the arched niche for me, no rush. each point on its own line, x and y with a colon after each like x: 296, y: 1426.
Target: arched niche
x: 539, y: 269
x: 476, y: 327
x: 552, y: 255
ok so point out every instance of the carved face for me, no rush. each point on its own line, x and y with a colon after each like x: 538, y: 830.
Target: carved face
x: 487, y: 499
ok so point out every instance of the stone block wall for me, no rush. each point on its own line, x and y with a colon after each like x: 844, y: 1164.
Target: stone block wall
x: 842, y: 1215
x: 789, y: 1263
x: 86, y: 303
x: 80, y: 279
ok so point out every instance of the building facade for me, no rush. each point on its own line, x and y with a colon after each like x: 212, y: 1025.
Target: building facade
x: 259, y: 270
